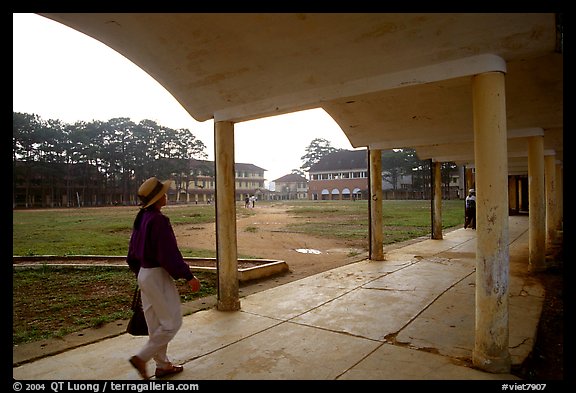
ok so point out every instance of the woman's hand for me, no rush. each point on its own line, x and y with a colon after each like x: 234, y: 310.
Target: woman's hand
x: 194, y: 284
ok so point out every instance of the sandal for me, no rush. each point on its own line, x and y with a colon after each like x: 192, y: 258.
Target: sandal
x: 171, y: 369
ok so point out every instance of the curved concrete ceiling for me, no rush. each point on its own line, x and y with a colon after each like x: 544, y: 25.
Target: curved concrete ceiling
x: 388, y: 80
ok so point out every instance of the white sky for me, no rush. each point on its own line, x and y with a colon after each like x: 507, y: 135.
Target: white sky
x: 60, y: 73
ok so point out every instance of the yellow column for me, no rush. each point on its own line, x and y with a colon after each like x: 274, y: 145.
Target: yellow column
x: 437, y: 201
x: 521, y: 183
x: 550, y: 182
x: 513, y: 194
x: 536, y: 205
x: 492, y: 246
x: 559, y: 197
x: 376, y: 235
x: 226, y: 242
x: 469, y: 180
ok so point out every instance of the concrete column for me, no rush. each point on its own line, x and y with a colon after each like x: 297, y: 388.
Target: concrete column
x: 226, y: 242
x: 376, y: 235
x: 492, y: 244
x: 461, y: 181
x: 437, y: 201
x: 513, y: 194
x: 470, y: 181
x: 536, y: 205
x: 559, y: 197
x: 520, y: 193
x: 550, y: 184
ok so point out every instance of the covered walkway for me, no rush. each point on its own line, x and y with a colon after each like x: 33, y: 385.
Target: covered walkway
x: 484, y: 90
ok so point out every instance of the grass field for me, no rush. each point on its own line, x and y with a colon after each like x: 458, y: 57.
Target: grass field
x: 402, y: 219
x: 89, y: 231
x: 106, y: 231
x: 52, y: 302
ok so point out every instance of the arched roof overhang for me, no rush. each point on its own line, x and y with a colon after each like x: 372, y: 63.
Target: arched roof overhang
x: 389, y: 80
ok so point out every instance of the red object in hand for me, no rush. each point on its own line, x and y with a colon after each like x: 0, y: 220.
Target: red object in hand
x: 194, y: 284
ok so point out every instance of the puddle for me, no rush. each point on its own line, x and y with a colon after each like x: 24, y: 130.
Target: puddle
x: 308, y: 251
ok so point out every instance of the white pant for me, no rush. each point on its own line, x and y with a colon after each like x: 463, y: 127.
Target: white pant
x: 162, y: 308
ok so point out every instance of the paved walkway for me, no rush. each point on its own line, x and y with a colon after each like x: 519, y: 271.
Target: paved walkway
x: 410, y: 317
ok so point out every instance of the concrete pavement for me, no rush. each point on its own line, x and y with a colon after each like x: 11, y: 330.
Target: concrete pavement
x: 410, y: 317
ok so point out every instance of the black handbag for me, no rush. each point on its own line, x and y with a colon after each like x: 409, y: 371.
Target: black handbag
x: 137, y: 325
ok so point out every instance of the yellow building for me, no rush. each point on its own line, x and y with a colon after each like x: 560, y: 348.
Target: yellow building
x: 249, y: 180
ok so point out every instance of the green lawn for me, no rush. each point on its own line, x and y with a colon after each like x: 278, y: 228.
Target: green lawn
x: 402, y: 219
x: 50, y: 302
x: 90, y: 231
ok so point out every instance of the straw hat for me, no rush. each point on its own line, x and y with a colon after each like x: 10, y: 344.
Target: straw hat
x: 152, y: 190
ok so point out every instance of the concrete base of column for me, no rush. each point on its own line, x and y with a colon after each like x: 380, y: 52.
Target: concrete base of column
x: 229, y: 305
x: 538, y: 268
x: 495, y: 365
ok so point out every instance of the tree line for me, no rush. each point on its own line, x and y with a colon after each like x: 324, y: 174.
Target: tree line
x: 118, y: 154
x: 110, y: 159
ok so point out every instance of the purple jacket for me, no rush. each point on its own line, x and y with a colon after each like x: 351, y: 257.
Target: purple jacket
x: 154, y: 245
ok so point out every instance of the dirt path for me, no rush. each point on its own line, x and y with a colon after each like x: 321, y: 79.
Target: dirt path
x: 265, y: 235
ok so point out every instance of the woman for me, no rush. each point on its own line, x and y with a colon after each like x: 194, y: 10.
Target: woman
x: 154, y: 256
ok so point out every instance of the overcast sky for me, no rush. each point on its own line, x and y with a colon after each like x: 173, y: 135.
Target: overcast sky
x: 59, y: 73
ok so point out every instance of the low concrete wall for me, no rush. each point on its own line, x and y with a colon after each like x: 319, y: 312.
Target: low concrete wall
x: 264, y: 267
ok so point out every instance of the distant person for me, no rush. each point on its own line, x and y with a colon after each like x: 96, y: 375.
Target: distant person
x: 247, y: 202
x: 154, y: 257
x: 253, y: 199
x: 470, y: 210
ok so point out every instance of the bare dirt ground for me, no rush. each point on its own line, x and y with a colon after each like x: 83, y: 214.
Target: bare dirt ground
x: 264, y: 235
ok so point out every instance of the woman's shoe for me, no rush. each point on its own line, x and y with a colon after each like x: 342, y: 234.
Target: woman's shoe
x: 139, y: 365
x: 171, y: 369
